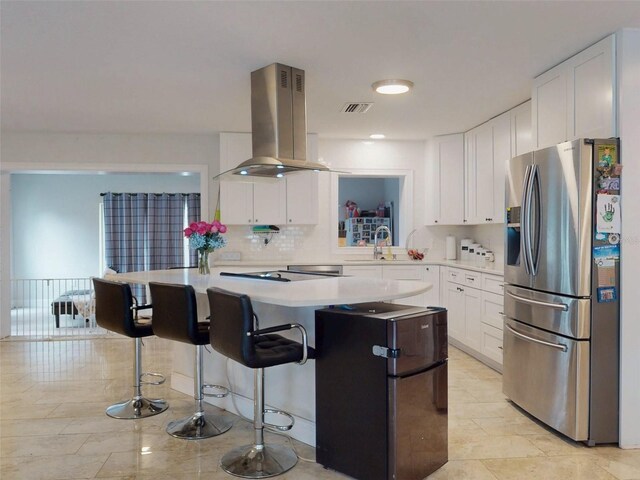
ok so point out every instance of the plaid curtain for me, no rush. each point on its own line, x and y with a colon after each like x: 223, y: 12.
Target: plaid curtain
x: 144, y: 231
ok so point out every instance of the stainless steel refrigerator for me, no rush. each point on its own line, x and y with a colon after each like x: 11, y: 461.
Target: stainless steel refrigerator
x: 562, y: 285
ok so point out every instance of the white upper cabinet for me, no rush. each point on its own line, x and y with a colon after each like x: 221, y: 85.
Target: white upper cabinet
x: 287, y: 201
x: 549, y: 107
x: 576, y: 98
x: 302, y: 198
x: 521, y: 135
x: 445, y: 181
x: 302, y: 191
x: 236, y: 198
x: 488, y: 150
x: 502, y: 153
x: 591, y: 93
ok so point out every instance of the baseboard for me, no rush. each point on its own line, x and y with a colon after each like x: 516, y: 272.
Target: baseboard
x: 303, y: 429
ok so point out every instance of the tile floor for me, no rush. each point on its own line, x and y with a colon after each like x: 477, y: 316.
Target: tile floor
x: 53, y: 426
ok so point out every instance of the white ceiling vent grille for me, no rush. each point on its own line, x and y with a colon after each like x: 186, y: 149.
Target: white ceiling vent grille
x: 356, y: 107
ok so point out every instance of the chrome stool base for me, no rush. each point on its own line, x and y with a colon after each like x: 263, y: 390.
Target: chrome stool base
x: 137, y: 408
x: 250, y: 461
x: 199, y: 425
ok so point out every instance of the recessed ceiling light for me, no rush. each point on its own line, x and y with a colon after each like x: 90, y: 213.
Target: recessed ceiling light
x: 376, y: 136
x: 392, y: 87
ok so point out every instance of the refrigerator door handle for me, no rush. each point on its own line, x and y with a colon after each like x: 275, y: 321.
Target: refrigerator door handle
x: 557, y: 306
x: 559, y: 346
x: 534, y: 237
x: 526, y: 221
x: 524, y: 245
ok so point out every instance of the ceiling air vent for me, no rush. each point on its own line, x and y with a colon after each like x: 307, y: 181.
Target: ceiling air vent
x: 356, y: 107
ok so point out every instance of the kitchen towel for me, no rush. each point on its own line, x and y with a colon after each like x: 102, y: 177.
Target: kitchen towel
x: 450, y: 248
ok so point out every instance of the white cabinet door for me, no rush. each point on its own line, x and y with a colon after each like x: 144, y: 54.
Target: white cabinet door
x: 501, y: 155
x: 521, y: 136
x: 488, y: 150
x: 446, y: 181
x: 590, y: 92
x: 576, y: 98
x: 405, y: 272
x: 431, y: 274
x: 483, y: 180
x: 270, y: 203
x: 456, y: 311
x: 549, y: 107
x: 493, y: 309
x: 369, y: 271
x: 492, y: 343
x: 302, y: 198
x: 236, y: 198
x: 472, y: 318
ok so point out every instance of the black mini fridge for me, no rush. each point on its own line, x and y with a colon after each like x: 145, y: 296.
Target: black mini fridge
x: 381, y: 390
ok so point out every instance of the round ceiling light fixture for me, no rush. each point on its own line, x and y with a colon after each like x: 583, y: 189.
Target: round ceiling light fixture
x: 377, y: 136
x: 392, y: 87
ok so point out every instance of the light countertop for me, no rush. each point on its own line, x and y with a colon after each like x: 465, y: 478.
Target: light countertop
x: 307, y: 293
x: 493, y: 268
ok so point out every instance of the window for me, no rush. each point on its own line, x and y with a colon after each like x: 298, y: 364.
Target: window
x: 383, y: 197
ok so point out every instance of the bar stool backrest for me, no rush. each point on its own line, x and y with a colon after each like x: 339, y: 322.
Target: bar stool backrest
x: 175, y: 312
x: 114, y: 307
x: 231, y: 320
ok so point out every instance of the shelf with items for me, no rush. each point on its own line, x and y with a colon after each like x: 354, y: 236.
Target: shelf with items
x: 360, y: 229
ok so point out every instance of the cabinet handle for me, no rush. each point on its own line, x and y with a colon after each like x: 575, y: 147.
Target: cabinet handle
x: 290, y: 220
x: 500, y: 348
x: 500, y: 313
x: 435, y: 221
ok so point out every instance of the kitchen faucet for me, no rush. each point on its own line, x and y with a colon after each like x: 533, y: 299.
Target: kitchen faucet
x: 377, y: 250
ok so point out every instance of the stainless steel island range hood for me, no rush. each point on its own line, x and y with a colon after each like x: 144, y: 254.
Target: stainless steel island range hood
x: 279, y: 125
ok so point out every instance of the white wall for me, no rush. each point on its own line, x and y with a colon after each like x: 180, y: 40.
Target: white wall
x: 628, y: 51
x: 35, y: 152
x: 55, y: 218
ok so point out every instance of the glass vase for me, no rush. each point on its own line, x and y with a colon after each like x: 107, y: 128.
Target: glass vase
x: 203, y: 262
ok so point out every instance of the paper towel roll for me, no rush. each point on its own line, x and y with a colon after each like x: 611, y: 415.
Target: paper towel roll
x: 450, y: 248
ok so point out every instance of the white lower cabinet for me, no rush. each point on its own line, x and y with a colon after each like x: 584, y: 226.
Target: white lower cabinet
x: 492, y: 321
x: 492, y: 343
x: 475, y: 314
x: 420, y: 273
x: 431, y: 274
x: 405, y: 272
x: 369, y: 271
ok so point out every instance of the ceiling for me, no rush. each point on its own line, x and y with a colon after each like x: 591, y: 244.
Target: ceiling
x: 184, y: 66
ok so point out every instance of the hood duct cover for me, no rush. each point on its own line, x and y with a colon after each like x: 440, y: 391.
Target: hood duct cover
x: 279, y: 125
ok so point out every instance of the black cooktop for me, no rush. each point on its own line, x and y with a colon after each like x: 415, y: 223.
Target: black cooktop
x: 280, y: 275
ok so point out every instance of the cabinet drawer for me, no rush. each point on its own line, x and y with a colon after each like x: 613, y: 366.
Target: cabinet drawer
x: 473, y: 279
x: 493, y: 283
x: 493, y: 309
x: 492, y: 343
x: 456, y: 275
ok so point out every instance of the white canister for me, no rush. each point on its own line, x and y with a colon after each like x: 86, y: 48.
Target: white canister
x: 489, y: 257
x: 450, y: 248
x: 464, y: 248
x: 472, y: 252
x: 479, y: 252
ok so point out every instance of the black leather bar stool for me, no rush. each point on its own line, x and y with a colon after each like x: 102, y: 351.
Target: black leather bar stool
x: 234, y: 334
x: 116, y: 310
x: 175, y: 317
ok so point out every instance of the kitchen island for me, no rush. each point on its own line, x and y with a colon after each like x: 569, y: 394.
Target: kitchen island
x: 288, y: 387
